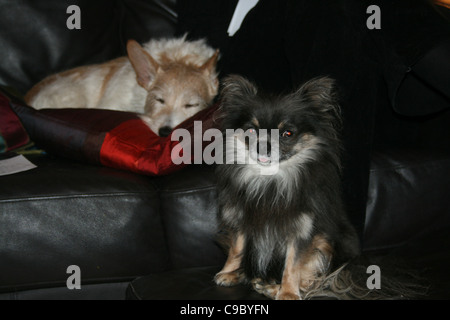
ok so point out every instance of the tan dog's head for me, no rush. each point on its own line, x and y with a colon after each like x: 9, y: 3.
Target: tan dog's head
x: 177, y: 88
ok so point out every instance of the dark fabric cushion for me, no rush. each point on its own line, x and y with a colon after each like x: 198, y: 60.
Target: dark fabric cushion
x: 115, y: 139
x: 255, y: 51
x: 412, y: 48
x: 12, y: 133
x: 143, y: 19
x: 426, y: 87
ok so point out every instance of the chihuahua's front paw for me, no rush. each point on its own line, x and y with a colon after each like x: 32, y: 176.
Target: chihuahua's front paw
x: 287, y: 295
x: 268, y: 288
x: 228, y: 279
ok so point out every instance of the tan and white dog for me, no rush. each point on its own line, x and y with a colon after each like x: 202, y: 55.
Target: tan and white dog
x: 166, y: 81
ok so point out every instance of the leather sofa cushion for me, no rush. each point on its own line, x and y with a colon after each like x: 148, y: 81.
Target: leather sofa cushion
x: 35, y: 41
x: 100, y: 291
x: 65, y: 213
x: 407, y: 196
x: 189, y: 203
x: 187, y: 284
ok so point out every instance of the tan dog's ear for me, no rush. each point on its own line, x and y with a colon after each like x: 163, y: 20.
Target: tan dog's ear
x: 210, y: 64
x: 143, y: 64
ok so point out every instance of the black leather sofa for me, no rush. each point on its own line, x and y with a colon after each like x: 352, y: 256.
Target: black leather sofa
x: 119, y: 226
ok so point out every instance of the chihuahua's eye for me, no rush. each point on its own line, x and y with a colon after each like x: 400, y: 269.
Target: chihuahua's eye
x: 287, y: 134
x: 160, y: 100
x: 190, y: 105
x: 252, y: 130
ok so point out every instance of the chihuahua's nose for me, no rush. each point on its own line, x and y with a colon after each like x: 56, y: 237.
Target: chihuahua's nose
x: 263, y: 147
x: 164, y: 131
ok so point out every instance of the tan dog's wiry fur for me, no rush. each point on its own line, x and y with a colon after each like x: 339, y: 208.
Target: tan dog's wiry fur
x: 167, y: 81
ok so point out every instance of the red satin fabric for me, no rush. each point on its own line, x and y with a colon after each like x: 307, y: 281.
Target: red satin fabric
x: 134, y: 147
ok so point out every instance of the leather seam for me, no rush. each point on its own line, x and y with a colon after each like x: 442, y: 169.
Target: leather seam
x: 81, y: 196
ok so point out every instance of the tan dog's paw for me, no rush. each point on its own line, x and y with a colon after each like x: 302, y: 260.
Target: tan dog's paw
x: 228, y: 279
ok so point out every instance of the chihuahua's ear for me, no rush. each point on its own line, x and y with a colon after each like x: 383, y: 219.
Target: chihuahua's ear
x: 235, y: 93
x: 143, y: 64
x: 236, y: 88
x: 320, y: 91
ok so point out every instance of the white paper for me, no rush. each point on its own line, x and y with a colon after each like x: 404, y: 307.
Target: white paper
x: 243, y: 7
x: 15, y: 164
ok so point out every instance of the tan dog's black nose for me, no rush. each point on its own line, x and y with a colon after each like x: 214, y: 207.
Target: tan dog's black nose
x: 164, y: 131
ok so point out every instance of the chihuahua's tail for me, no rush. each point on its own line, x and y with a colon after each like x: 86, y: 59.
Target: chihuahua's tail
x: 378, y: 280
